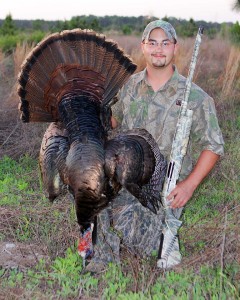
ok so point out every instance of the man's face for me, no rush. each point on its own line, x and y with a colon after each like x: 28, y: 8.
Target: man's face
x: 158, y: 50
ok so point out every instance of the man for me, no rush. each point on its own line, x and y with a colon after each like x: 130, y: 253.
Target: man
x: 151, y: 99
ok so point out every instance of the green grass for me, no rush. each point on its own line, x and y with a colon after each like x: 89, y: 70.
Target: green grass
x: 18, y: 180
x: 34, y: 218
x: 63, y: 278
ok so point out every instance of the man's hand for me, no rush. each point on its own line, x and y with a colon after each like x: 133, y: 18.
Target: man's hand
x: 183, y: 191
x: 181, y: 194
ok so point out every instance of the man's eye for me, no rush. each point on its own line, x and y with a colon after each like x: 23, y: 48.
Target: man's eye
x: 152, y: 43
x: 165, y: 43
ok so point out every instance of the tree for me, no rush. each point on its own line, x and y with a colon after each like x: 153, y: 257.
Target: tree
x: 94, y: 24
x: 126, y: 29
x: 236, y: 5
x: 187, y: 28
x: 8, y: 27
x: 38, y: 24
x: 235, y: 29
x: 235, y: 33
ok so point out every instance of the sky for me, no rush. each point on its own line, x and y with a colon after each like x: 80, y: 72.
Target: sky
x: 207, y: 10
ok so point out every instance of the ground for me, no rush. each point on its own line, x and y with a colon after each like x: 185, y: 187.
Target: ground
x: 20, y: 255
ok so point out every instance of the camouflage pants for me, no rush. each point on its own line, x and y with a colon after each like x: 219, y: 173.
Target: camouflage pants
x: 131, y: 225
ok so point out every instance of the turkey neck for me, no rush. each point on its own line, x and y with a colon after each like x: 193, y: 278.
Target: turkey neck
x: 80, y: 115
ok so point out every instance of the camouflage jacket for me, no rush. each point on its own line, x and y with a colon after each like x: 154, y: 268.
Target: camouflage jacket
x: 157, y: 112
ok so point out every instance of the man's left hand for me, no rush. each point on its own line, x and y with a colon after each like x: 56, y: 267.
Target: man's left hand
x: 181, y: 194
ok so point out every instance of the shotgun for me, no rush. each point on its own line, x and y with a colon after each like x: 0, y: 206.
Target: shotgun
x: 179, y: 147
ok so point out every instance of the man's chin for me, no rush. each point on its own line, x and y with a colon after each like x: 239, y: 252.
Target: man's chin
x: 159, y: 66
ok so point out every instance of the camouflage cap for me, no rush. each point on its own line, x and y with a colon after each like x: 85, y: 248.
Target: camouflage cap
x: 167, y: 27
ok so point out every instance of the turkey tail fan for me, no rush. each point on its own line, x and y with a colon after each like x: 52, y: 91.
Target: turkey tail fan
x: 79, y: 62
x: 133, y: 160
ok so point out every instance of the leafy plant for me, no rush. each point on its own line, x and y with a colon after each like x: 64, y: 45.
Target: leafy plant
x: 116, y: 282
x: 235, y: 33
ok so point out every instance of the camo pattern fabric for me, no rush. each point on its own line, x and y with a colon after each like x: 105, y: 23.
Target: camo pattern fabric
x: 167, y: 27
x: 140, y: 107
x: 129, y: 224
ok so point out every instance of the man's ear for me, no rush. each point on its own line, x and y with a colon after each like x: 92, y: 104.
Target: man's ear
x: 176, y: 48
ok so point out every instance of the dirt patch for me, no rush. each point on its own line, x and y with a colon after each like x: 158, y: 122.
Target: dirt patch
x: 19, y: 255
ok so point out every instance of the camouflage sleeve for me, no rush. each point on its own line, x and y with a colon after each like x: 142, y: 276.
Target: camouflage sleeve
x: 205, y: 130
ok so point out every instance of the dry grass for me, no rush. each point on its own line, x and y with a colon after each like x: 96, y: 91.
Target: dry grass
x: 16, y: 138
x: 19, y: 55
x: 1, y: 56
x: 50, y: 230
x: 232, y: 72
x: 128, y: 43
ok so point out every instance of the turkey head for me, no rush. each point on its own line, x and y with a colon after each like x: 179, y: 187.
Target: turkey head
x: 70, y: 80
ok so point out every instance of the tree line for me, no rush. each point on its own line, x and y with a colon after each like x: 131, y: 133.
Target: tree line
x: 17, y: 31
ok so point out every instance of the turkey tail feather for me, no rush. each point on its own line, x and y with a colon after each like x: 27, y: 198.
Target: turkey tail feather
x: 76, y: 61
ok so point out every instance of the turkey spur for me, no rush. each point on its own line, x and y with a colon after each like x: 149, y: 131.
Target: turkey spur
x: 70, y: 79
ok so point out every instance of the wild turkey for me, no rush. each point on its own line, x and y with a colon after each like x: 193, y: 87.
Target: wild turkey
x: 70, y: 79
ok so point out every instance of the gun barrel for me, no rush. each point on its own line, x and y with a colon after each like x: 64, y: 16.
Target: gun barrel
x: 192, y: 67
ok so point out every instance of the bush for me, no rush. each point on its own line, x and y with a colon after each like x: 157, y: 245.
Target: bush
x: 8, y: 42
x: 8, y: 27
x: 235, y: 33
x: 35, y: 37
x: 126, y: 30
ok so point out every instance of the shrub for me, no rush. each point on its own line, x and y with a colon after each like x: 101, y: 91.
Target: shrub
x: 8, y: 42
x: 235, y: 33
x: 35, y: 37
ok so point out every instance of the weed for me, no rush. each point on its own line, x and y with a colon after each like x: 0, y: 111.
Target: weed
x: 116, y: 282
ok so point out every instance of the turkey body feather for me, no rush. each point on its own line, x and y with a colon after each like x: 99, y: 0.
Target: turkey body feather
x: 70, y: 79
